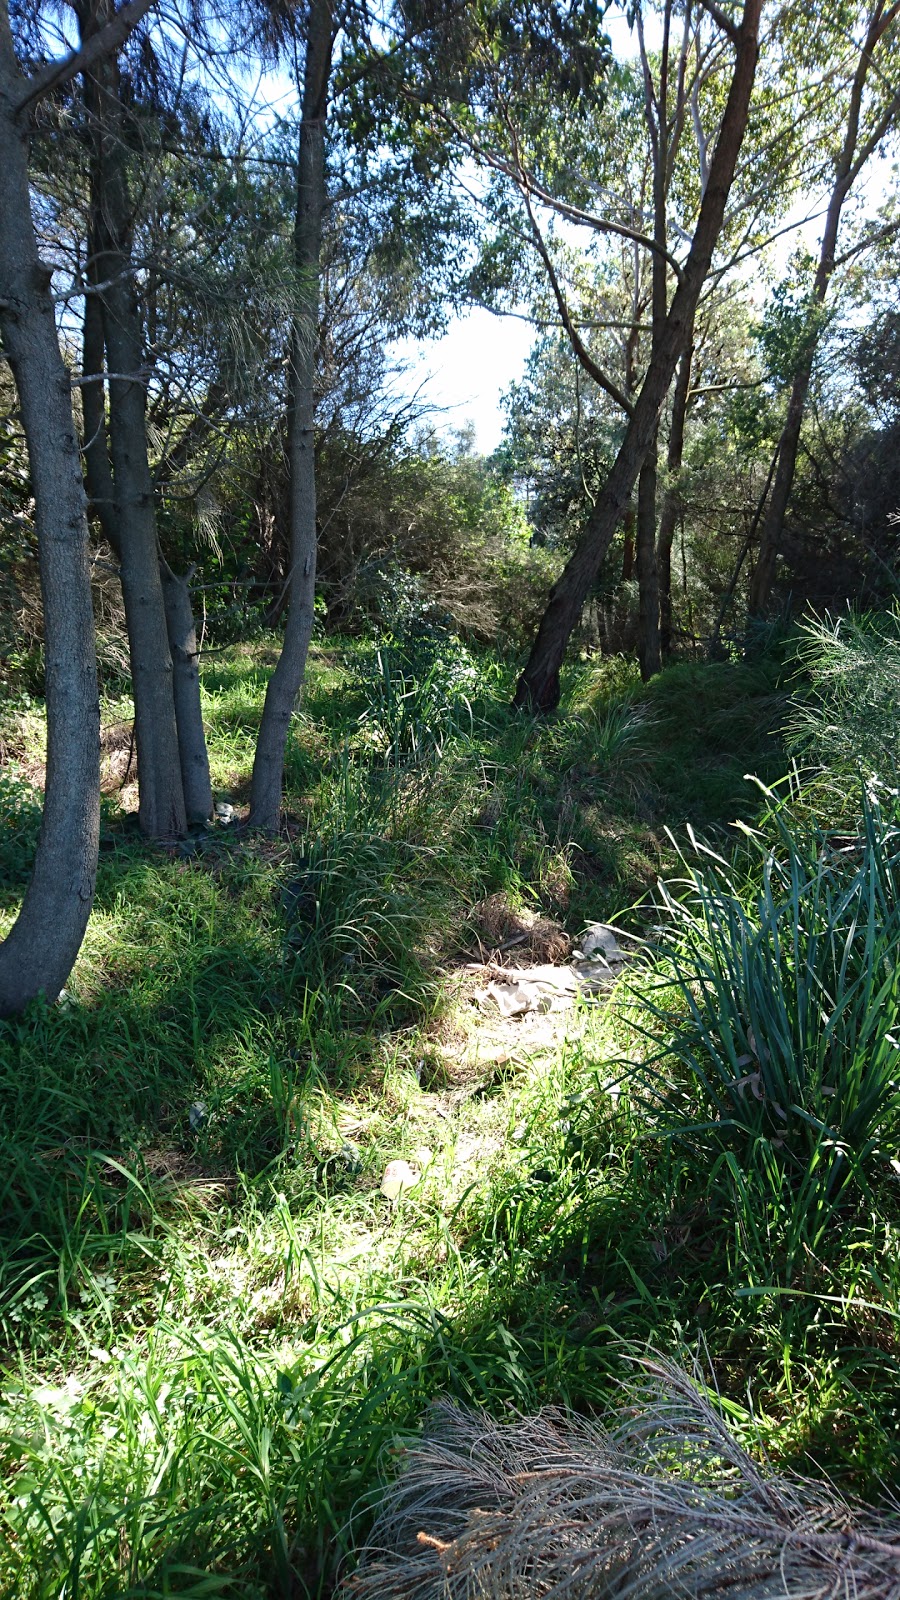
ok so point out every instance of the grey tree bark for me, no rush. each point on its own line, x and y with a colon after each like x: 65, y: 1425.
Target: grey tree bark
x: 180, y: 624
x: 671, y: 506
x: 40, y: 950
x: 287, y: 678
x: 192, y: 751
x: 849, y: 164
x: 161, y: 804
x: 538, y: 686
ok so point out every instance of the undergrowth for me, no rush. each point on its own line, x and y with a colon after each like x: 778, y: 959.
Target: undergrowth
x: 215, y: 1329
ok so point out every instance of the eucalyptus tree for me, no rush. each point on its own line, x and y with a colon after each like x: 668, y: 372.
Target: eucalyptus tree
x: 39, y: 952
x: 866, y: 44
x: 571, y: 143
x: 538, y: 685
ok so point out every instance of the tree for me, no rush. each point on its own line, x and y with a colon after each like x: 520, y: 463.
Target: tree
x: 870, y: 117
x: 40, y: 950
x: 173, y: 769
x: 285, y: 682
x: 538, y: 686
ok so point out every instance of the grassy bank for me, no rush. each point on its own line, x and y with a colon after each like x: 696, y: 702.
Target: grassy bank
x: 215, y: 1328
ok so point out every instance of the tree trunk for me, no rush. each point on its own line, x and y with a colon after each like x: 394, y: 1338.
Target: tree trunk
x: 180, y: 625
x: 672, y: 502
x: 182, y: 629
x: 287, y: 678
x: 848, y: 165
x: 161, y: 807
x: 38, y: 954
x: 97, y: 471
x: 648, y: 583
x: 538, y: 687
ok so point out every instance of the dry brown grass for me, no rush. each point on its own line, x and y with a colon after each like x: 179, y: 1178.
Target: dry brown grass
x: 660, y: 1502
x: 499, y: 927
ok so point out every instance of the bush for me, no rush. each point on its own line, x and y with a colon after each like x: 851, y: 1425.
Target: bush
x: 780, y: 999
x: 419, y: 684
x: 848, y: 721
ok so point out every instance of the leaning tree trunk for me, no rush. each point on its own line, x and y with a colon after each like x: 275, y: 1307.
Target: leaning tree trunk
x: 38, y: 954
x: 195, y: 778
x: 538, y: 687
x: 671, y: 507
x: 161, y: 807
x: 849, y: 164
x: 287, y: 678
x: 647, y: 572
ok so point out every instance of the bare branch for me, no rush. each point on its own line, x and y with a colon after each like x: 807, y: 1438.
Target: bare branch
x: 99, y: 45
x: 719, y: 17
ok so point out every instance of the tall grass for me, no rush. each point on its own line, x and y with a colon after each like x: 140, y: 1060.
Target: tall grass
x: 844, y: 719
x: 212, y: 1324
x: 778, y: 1006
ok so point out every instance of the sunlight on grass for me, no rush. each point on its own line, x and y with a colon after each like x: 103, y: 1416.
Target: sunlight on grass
x: 216, y: 1328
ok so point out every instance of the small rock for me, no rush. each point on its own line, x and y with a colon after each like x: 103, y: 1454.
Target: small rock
x: 598, y: 939
x: 398, y: 1177
x: 423, y: 1157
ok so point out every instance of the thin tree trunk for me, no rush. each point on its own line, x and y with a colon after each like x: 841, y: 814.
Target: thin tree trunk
x: 161, y: 809
x: 182, y: 629
x: 287, y: 678
x: 848, y: 166
x: 538, y: 687
x: 180, y: 625
x: 671, y: 506
x: 39, y: 952
x: 743, y: 553
x: 648, y: 581
x: 97, y: 471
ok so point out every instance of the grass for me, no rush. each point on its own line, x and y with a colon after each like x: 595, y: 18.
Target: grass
x: 215, y: 1329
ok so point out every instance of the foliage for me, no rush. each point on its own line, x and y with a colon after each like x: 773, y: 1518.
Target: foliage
x: 214, y: 1325
x: 786, y: 976
x: 844, y: 721
x: 430, y: 527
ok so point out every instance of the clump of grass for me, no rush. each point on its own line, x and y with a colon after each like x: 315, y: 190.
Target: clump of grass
x: 786, y: 987
x: 843, y: 721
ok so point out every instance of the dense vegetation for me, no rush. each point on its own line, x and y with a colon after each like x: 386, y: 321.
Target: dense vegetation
x: 215, y: 1323
x: 636, y: 667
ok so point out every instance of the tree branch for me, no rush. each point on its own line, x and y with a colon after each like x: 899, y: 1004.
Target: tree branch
x: 719, y: 17
x: 99, y: 45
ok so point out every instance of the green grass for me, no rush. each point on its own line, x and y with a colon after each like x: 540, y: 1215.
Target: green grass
x: 215, y: 1330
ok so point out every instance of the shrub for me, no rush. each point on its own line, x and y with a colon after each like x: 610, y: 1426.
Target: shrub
x: 848, y: 721
x: 779, y: 995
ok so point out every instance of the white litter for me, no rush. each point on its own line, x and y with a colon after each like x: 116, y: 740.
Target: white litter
x: 594, y: 967
x: 398, y: 1177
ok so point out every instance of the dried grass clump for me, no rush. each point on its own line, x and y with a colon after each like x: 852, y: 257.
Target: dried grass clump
x: 663, y: 1503
x: 499, y: 926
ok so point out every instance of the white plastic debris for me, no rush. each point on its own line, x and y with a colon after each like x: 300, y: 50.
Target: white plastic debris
x: 600, y: 940
x: 197, y: 1115
x: 398, y: 1177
